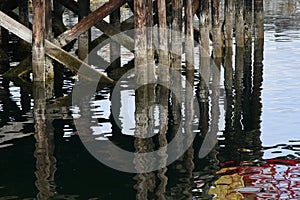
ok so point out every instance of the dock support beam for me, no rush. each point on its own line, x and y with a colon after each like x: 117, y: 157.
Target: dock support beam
x: 38, y: 41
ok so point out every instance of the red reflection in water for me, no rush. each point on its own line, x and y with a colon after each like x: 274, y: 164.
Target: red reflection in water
x: 275, y: 179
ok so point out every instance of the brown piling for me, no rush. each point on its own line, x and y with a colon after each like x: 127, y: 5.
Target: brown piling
x: 247, y: 79
x: 38, y: 41
x: 176, y: 53
x: 115, y: 48
x: 189, y: 37
x: 258, y: 62
x: 248, y: 21
x: 204, y: 66
x: 84, y: 38
x: 216, y: 28
x: 239, y: 23
x: 163, y: 67
x: 228, y: 32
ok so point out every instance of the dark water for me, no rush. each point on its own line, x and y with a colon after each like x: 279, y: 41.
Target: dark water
x: 255, y: 126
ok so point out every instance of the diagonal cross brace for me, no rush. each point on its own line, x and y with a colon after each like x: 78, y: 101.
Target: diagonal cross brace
x: 52, y: 50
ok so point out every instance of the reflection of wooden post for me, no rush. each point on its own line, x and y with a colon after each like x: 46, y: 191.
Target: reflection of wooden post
x: 258, y: 62
x: 38, y: 50
x: 44, y: 162
x: 228, y: 83
x: 238, y: 85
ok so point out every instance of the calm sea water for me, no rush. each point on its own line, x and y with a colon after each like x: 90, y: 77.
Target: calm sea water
x: 256, y: 155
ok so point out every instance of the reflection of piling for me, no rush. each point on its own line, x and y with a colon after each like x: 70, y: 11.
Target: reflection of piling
x: 44, y: 147
x: 258, y: 62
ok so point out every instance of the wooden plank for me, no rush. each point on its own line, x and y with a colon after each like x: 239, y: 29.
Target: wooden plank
x: 52, y: 50
x: 73, y: 63
x: 105, y: 27
x: 21, y: 69
x: 89, y: 21
x: 15, y: 27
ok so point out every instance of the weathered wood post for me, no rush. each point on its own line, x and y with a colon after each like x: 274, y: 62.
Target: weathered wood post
x: 247, y: 79
x: 189, y: 37
x: 163, y: 67
x: 84, y: 38
x: 239, y: 63
x: 38, y: 41
x: 204, y: 65
x: 248, y: 21
x: 258, y: 62
x: 239, y: 23
x: 216, y: 29
x: 176, y: 53
x: 115, y: 48
x: 228, y: 33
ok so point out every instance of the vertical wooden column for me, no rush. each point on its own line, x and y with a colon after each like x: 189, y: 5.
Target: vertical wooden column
x: 259, y: 20
x: 239, y: 23
x: 140, y: 42
x: 84, y: 38
x: 258, y: 62
x: 247, y: 79
x: 115, y: 48
x: 204, y: 66
x: 216, y: 28
x: 176, y: 53
x: 177, y: 34
x: 248, y: 21
x: 163, y: 68
x: 38, y: 43
x: 189, y: 38
x: 49, y: 69
x: 229, y: 10
x: 23, y: 12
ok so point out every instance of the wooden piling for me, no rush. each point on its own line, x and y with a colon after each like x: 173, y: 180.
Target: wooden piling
x: 258, y: 62
x: 248, y: 21
x: 163, y: 67
x: 84, y: 38
x: 189, y: 37
x: 115, y: 48
x: 239, y: 23
x: 228, y: 32
x: 216, y: 29
x: 176, y: 53
x: 204, y: 64
x: 38, y: 40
